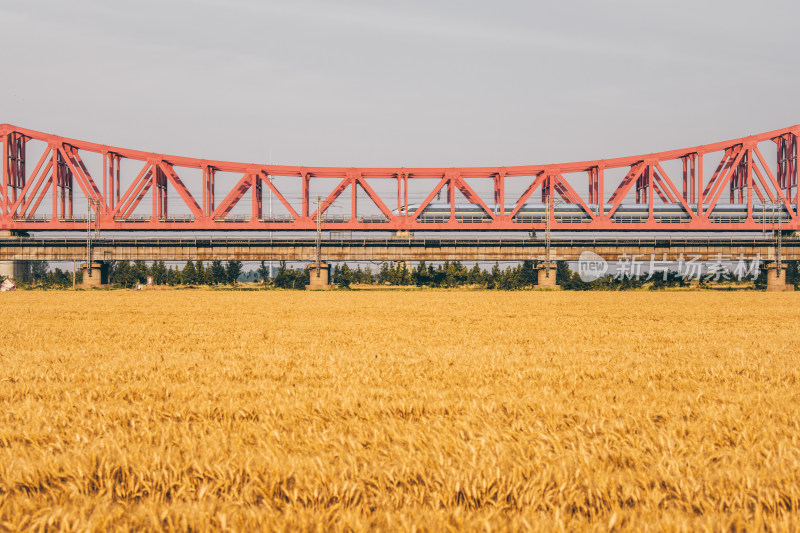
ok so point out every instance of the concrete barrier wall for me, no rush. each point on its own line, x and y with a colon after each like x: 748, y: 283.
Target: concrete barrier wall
x: 19, y: 250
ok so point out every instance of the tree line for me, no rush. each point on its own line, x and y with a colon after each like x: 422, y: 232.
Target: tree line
x: 127, y: 274
x: 38, y: 273
x: 449, y: 274
x: 521, y: 276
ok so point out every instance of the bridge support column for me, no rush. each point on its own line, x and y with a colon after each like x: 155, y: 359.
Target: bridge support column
x: 544, y: 281
x: 776, y: 280
x: 319, y: 279
x: 95, y: 276
x: 13, y: 269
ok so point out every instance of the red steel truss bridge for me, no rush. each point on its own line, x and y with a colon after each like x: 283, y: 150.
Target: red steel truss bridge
x: 56, y: 183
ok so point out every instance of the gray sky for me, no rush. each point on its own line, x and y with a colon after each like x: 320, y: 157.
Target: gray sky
x: 414, y: 83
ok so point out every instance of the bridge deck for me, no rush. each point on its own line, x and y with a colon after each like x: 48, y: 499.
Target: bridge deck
x: 392, y: 249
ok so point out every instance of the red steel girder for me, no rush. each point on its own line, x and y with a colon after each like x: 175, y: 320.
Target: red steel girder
x: 61, y: 174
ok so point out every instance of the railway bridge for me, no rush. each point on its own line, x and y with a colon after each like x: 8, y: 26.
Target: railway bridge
x: 61, y: 185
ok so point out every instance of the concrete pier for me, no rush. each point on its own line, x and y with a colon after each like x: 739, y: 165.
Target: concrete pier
x: 13, y: 269
x: 776, y: 280
x: 319, y: 277
x: 96, y: 276
x: 544, y: 281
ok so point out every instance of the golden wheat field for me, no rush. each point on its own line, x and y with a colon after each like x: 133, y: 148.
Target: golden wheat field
x: 419, y: 410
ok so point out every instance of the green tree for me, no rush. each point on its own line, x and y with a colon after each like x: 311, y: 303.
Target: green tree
x: 494, y: 277
x: 403, y: 275
x: 174, y: 276
x: 189, y: 274
x: 200, y: 272
x: 58, y: 278
x: 455, y: 274
x: 140, y: 271
x: 793, y: 273
x: 419, y: 274
x: 289, y: 278
x: 528, y: 274
x: 218, y: 272
x: 345, y: 276
x: 509, y: 279
x: 39, y: 271
x: 563, y: 273
x: 282, y: 277
x: 384, y: 276
x: 361, y: 276
x: 366, y: 276
x: 122, y: 274
x: 475, y: 276
x: 159, y: 273
x: 394, y: 274
x: 437, y: 275
x: 302, y: 277
x: 232, y: 271
x: 263, y: 273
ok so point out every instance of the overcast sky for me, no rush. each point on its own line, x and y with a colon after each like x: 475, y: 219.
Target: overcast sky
x: 413, y: 83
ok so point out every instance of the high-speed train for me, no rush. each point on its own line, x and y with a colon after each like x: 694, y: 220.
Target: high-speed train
x: 536, y: 212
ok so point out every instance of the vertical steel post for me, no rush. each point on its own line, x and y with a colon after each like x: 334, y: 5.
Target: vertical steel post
x: 780, y: 241
x: 650, y: 189
x: 547, y: 234
x: 164, y: 193
x: 501, y: 194
x: 96, y: 204
x: 405, y: 193
x: 116, y: 180
x: 257, y: 191
x: 68, y: 176
x: 156, y: 196
x: 399, y: 194
x: 106, y: 162
x: 353, y: 198
x: 700, y: 207
x: 89, y: 237
x: 305, y: 193
x: 319, y: 237
x: 54, y: 175
x: 208, y: 190
x: 205, y: 191
x: 749, y: 173
x: 451, y: 199
x: 685, y: 178
x: 269, y: 177
x: 15, y: 155
x: 601, y: 201
x: 4, y: 178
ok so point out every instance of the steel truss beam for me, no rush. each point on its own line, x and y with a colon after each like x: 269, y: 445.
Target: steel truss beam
x: 40, y: 194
